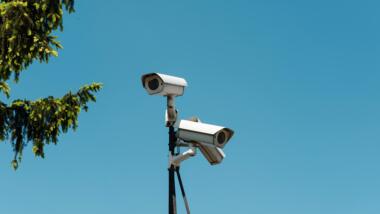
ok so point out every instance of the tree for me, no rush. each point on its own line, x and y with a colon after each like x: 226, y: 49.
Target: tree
x: 26, y: 28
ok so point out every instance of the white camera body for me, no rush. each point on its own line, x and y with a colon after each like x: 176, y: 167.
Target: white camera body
x: 213, y: 154
x: 164, y: 85
x: 202, y: 133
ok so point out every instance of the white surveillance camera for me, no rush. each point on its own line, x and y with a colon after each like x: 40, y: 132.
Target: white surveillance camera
x: 213, y: 154
x: 203, y: 133
x: 162, y: 84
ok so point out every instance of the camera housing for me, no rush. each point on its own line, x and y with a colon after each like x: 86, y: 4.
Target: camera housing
x: 203, y: 133
x: 164, y: 85
x: 213, y: 154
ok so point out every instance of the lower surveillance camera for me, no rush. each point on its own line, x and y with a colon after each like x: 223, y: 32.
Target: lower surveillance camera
x: 202, y: 132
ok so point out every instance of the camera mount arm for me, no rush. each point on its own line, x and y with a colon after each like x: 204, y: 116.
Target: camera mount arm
x: 171, y: 112
x: 178, y: 159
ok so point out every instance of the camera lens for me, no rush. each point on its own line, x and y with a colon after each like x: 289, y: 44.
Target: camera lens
x: 221, y: 137
x: 153, y: 84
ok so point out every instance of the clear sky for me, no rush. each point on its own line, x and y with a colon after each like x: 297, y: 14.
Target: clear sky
x: 297, y: 80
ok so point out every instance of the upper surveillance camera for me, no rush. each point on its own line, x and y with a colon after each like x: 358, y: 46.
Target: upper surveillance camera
x: 162, y: 84
x: 203, y: 133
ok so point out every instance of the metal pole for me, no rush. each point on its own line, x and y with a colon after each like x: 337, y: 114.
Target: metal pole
x: 172, y: 195
x: 171, y: 118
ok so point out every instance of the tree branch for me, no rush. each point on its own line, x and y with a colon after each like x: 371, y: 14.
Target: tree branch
x: 42, y: 121
x: 25, y: 33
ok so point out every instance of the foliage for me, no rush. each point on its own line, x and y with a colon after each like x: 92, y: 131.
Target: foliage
x: 26, y: 28
x: 25, y: 33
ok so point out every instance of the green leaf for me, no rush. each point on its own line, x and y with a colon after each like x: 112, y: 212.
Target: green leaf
x: 54, y: 53
x: 14, y: 164
x: 5, y: 89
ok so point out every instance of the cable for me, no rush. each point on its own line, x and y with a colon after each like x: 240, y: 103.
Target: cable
x: 183, y: 191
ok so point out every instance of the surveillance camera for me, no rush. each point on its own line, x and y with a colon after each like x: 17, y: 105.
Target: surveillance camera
x: 162, y: 84
x: 203, y: 133
x: 214, y: 155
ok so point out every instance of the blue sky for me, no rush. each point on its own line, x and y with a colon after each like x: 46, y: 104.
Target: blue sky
x: 298, y: 81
